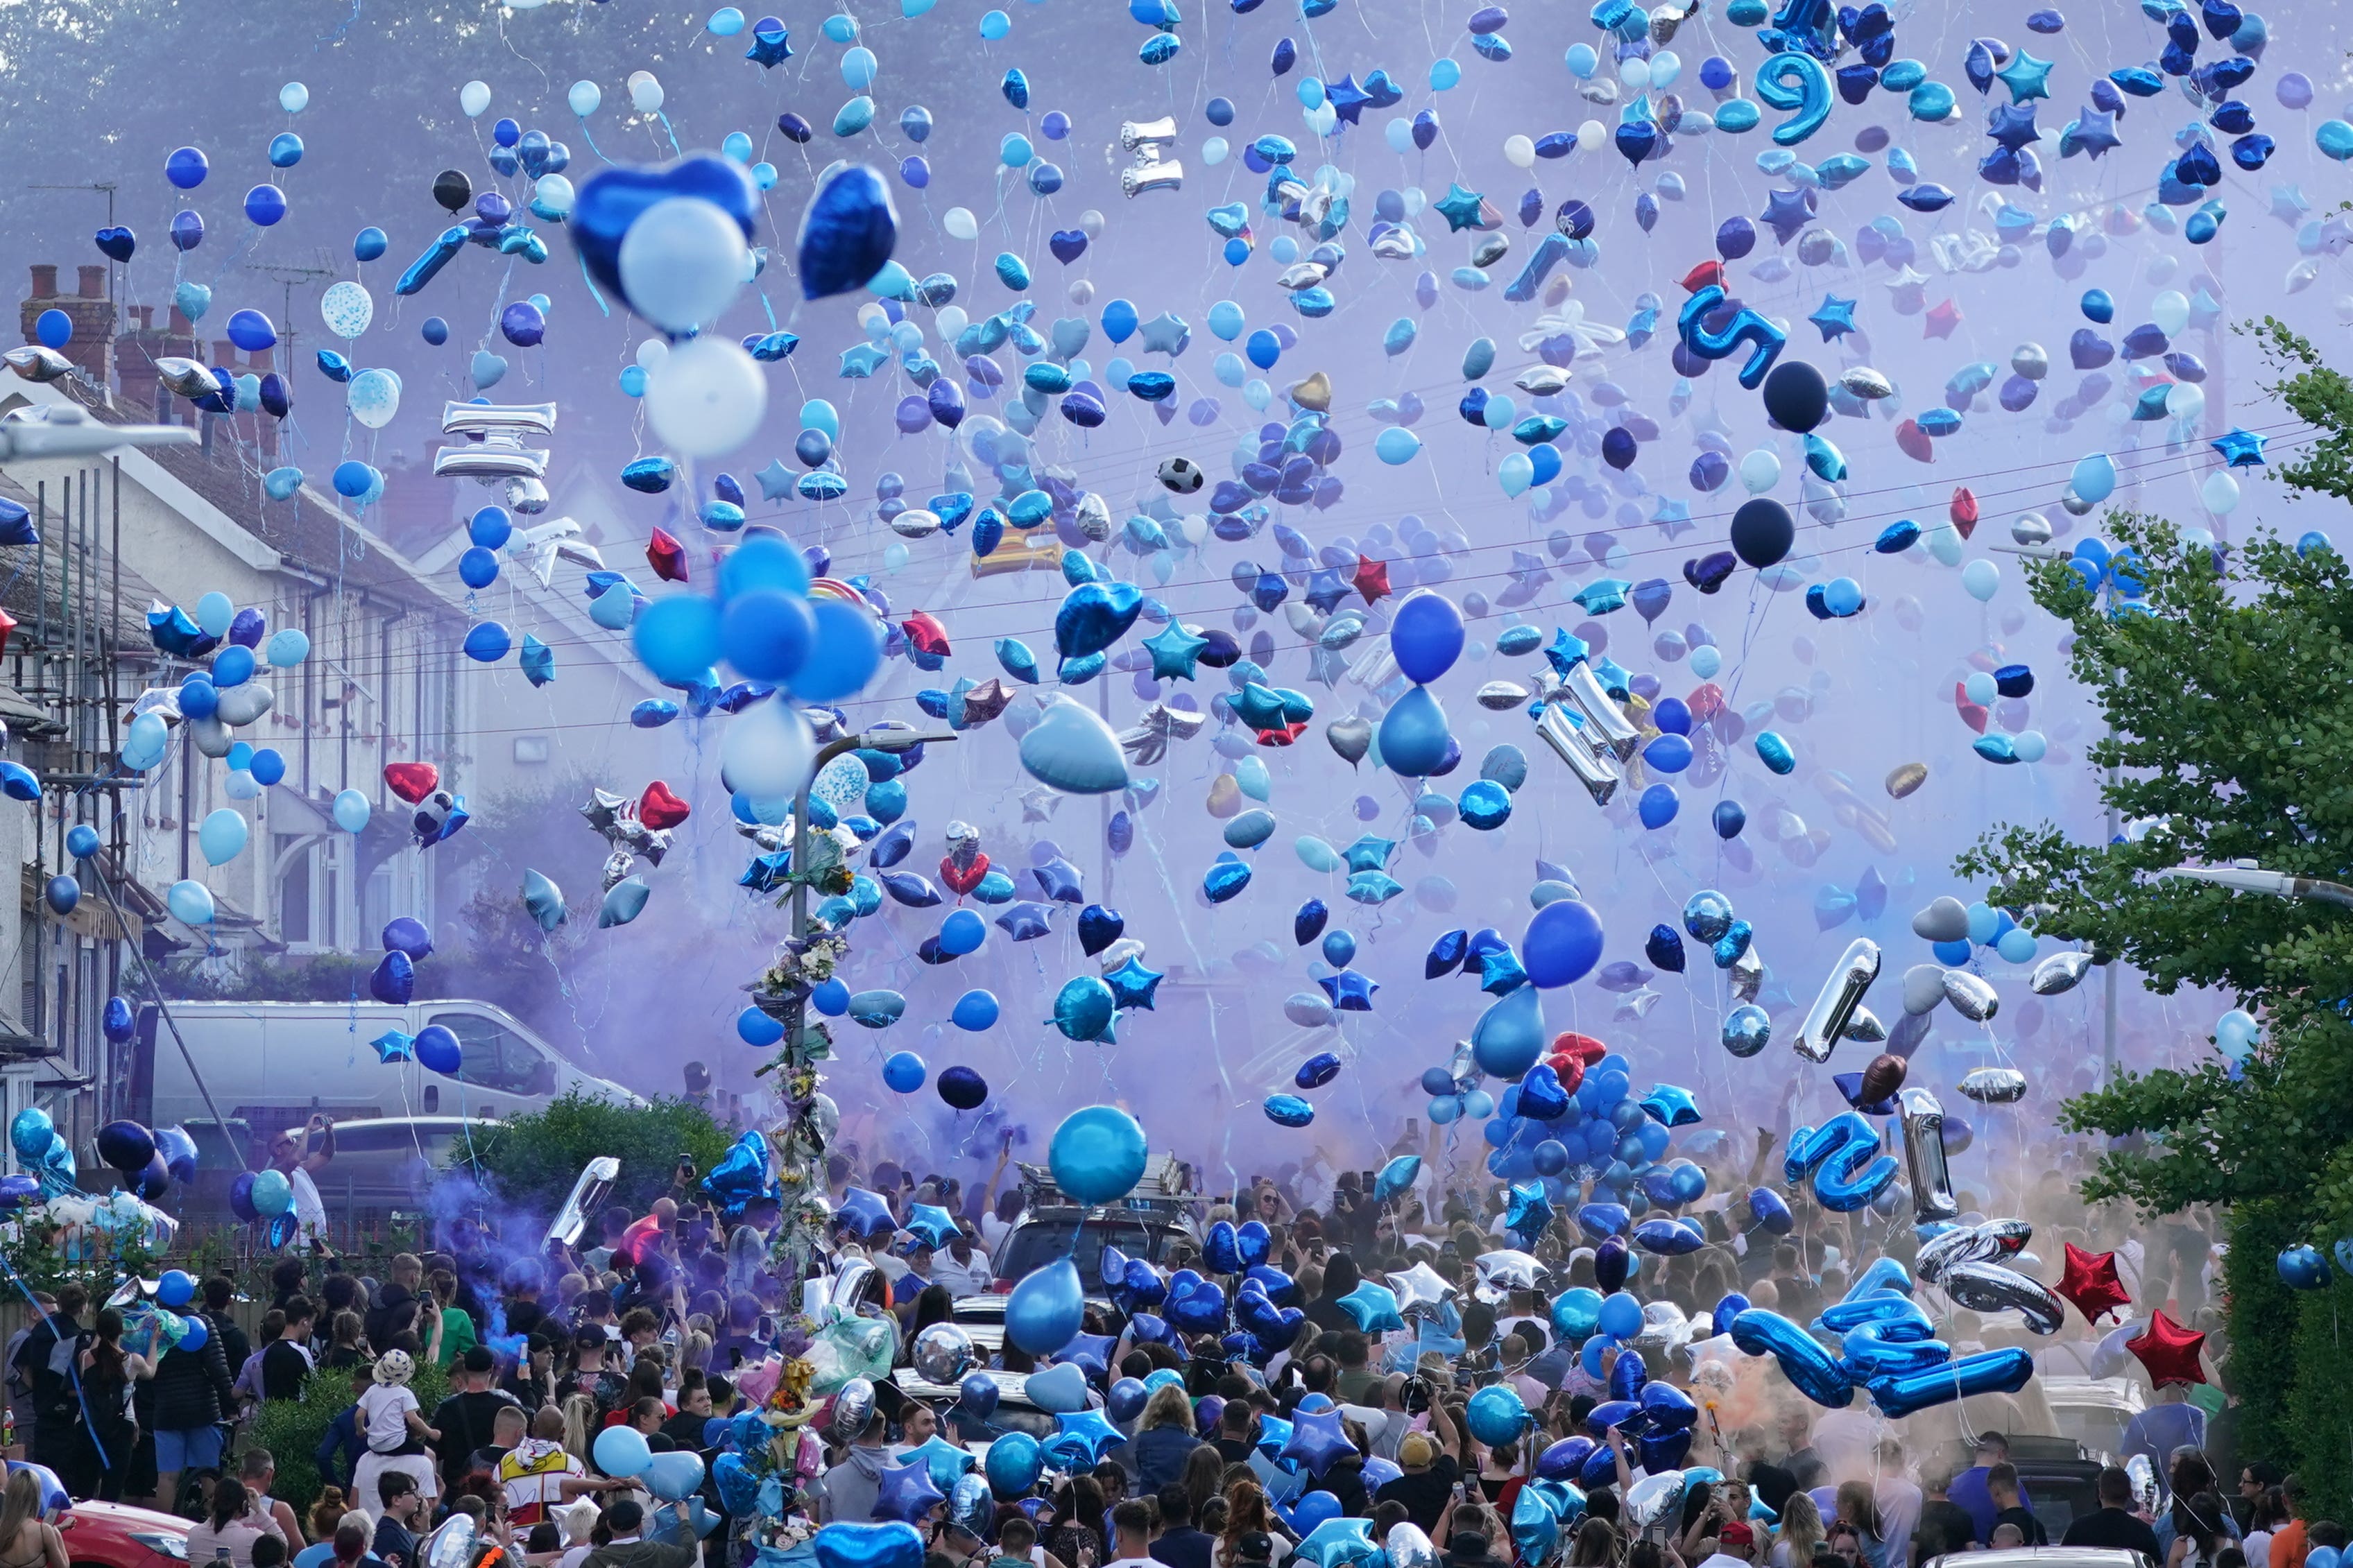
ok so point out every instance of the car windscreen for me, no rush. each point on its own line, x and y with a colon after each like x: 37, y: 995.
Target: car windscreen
x: 1039, y: 1242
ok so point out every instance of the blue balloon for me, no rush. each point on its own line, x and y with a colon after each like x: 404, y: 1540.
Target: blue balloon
x: 1510, y: 1035
x: 1804, y: 1362
x: 1562, y: 944
x: 1097, y: 1155
x: 754, y: 1027
x: 1414, y: 740
x: 904, y: 1072
x: 1426, y: 637
x: 962, y: 933
x: 848, y: 233
x: 478, y: 568
x: 1047, y: 1308
x: 975, y: 1011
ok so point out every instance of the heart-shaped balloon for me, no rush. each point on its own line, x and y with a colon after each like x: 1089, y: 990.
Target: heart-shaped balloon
x: 1351, y: 737
x: 1626, y: 1375
x: 1624, y: 1414
x: 192, y: 299
x: 1279, y: 1287
x: 1201, y: 1309
x: 742, y: 1174
x: 964, y: 878
x: 1060, y: 1389
x: 891, y: 1545
x: 117, y: 242
x: 1097, y: 929
x: 1669, y: 1407
x: 848, y: 232
x: 1142, y: 1284
x: 1221, y: 1250
x: 1256, y: 1313
x: 1256, y: 1243
x: 1663, y: 1451
x: 1067, y: 244
x: 1112, y: 1267
x: 1563, y: 1459
x: 657, y: 808
x: 610, y: 200
x: 412, y: 782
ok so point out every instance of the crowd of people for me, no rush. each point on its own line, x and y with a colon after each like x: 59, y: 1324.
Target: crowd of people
x: 658, y: 1325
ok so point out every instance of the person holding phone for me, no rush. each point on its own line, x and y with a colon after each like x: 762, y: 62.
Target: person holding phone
x: 300, y: 1152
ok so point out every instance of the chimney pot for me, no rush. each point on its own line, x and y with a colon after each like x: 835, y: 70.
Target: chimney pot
x: 93, y: 282
x: 146, y: 314
x: 225, y: 352
x: 45, y: 281
x: 181, y: 326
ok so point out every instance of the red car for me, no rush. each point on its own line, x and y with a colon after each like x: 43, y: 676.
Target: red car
x: 113, y: 1536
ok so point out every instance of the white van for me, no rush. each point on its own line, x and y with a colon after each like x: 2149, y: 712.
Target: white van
x: 272, y: 1064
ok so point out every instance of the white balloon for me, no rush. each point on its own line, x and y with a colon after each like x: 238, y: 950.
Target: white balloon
x: 552, y: 194
x: 373, y: 398
x: 1665, y: 66
x: 650, y: 354
x: 474, y: 98
x: 682, y: 263
x: 584, y: 98
x: 1635, y: 72
x: 1590, y: 136
x: 768, y: 750
x: 2219, y: 492
x: 1982, y: 579
x: 953, y: 320
x: 1761, y: 470
x: 1519, y: 152
x: 347, y: 308
x: 293, y: 98
x: 2185, y: 400
x: 645, y: 93
x: 706, y: 399
x: 2170, y: 311
x: 960, y: 223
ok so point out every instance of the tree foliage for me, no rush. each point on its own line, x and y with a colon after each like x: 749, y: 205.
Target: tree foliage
x: 531, y: 1160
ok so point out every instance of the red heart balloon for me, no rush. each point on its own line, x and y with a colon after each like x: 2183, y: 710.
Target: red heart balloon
x: 966, y: 879
x: 412, y: 782
x: 657, y: 808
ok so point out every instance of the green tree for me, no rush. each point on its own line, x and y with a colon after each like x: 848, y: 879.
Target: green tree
x: 2226, y: 680
x: 531, y: 1160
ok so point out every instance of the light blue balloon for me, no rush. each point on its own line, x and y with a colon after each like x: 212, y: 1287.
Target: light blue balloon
x: 1510, y: 1035
x: 725, y: 22
x: 1311, y: 91
x: 286, y: 648
x: 996, y: 25
x: 1215, y: 150
x: 351, y: 811
x: 1397, y: 444
x: 1444, y: 73
x: 1414, y: 740
x: 1227, y: 321
x: 859, y: 68
x: 1015, y: 150
x: 1229, y: 370
x: 2095, y: 479
x: 816, y: 414
x: 840, y: 28
x: 191, y: 903
x: 1582, y: 61
x: 1399, y: 135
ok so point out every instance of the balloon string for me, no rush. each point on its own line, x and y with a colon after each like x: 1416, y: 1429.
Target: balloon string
x: 591, y: 135
x: 73, y: 1363
x: 669, y: 132
x: 590, y: 281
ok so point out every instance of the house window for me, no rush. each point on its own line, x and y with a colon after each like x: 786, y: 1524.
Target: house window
x: 310, y: 892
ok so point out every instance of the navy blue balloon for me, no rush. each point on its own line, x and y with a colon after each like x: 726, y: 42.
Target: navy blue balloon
x: 1665, y: 948
x: 1308, y: 923
x: 846, y: 235
x: 1729, y: 819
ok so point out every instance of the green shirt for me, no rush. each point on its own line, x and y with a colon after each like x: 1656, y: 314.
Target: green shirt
x: 457, y: 1334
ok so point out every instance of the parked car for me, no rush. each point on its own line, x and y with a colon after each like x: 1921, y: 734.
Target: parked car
x: 113, y: 1536
x: 2061, y: 1476
x: 272, y: 1064
x: 2094, y: 1411
x: 2041, y: 1557
x: 391, y: 1162
x: 1013, y: 1412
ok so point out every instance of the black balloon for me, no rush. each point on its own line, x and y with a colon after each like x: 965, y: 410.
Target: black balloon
x: 452, y: 189
x: 1762, y: 531
x: 126, y: 1145
x: 962, y: 1088
x: 1796, y: 397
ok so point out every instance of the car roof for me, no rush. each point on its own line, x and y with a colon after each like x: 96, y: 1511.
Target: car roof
x: 2042, y: 1557
x: 1009, y: 1388
x: 2115, y: 1393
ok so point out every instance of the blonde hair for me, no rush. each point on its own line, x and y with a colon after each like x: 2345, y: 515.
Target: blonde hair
x: 1168, y: 1407
x: 1801, y: 1527
x: 694, y: 1350
x: 20, y: 1502
x: 579, y: 1412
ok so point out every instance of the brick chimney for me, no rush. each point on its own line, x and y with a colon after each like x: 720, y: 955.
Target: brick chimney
x: 93, y: 316
x: 136, y: 352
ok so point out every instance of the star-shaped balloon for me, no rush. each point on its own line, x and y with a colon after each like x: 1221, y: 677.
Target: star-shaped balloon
x: 1257, y: 707
x: 1088, y: 1430
x: 776, y: 480
x: 1090, y: 1354
x: 907, y: 1492
x: 1348, y: 100
x: 1372, y: 579
x: 2168, y: 1350
x: 2240, y: 449
x: 1942, y: 317
x: 1318, y: 1441
x: 770, y: 47
x: 1350, y: 992
x: 2090, y: 1282
x: 1132, y: 984
x: 1508, y: 1271
x: 1907, y: 277
x: 2013, y: 126
x: 1529, y: 1212
x: 1786, y: 212
x: 862, y: 360
x: 1835, y: 317
x: 1420, y: 1289
x: 985, y: 702
x: 1369, y: 853
x: 944, y: 1458
x: 1464, y: 209
x: 930, y: 1225
x: 1165, y: 333
x: 1336, y: 1541
x: 1501, y: 972
x: 392, y: 1046
x: 1038, y: 804
x: 2093, y: 131
x: 1374, y: 1307
x: 1672, y: 1106
x: 1273, y: 1432
x: 1026, y: 920
x: 2289, y: 204
x: 864, y: 1214
x: 1325, y: 590
x: 2026, y: 76
x: 1175, y: 649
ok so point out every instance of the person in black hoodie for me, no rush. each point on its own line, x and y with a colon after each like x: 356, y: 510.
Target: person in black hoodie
x: 1341, y: 1275
x: 193, y: 1394
x: 45, y: 1360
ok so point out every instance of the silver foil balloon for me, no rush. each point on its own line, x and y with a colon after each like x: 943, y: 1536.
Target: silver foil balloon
x: 2148, y: 1486
x: 1654, y: 1497
x: 1501, y: 696
x: 1615, y: 730
x: 1664, y: 1329
x: 1835, y: 1004
x: 1576, y: 743
x: 1924, y: 1156
x: 452, y: 1546
x: 1863, y: 1027
x: 854, y: 1408
x: 1972, y: 996
x: 1508, y: 1271
x: 1991, y: 1288
x: 942, y: 1353
x: 1994, y: 1086
x: 2060, y: 973
x: 1707, y: 915
x: 970, y: 1507
x: 1407, y: 1547
x: 1747, y: 975
x: 1747, y: 1029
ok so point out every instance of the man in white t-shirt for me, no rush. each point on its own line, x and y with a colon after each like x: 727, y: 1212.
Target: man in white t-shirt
x: 300, y: 1152
x: 962, y: 1268
x: 1131, y: 1524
